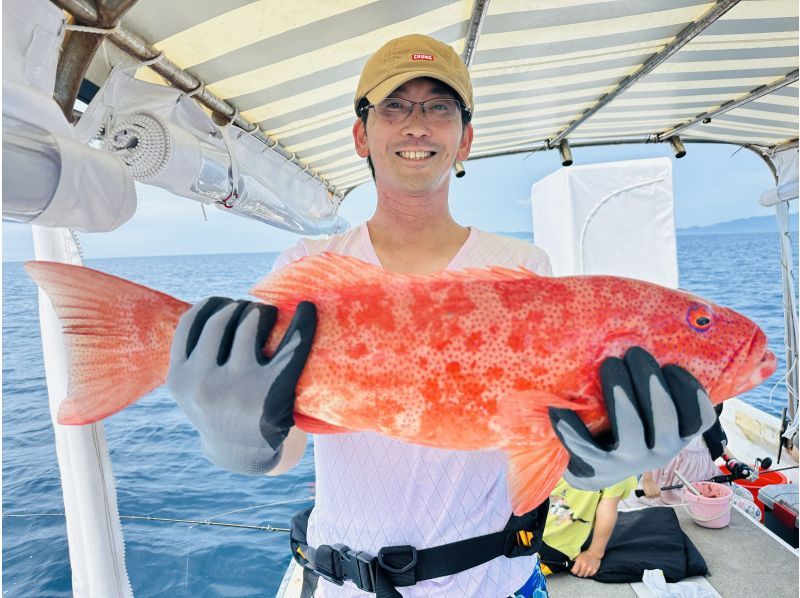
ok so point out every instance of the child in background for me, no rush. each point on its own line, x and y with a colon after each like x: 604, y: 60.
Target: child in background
x: 579, y: 526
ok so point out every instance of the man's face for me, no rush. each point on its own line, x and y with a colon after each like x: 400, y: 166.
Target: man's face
x: 414, y: 155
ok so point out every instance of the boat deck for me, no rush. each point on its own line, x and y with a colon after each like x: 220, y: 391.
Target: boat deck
x: 744, y: 559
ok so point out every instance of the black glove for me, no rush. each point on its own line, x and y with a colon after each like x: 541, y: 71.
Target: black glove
x: 240, y: 401
x: 654, y: 412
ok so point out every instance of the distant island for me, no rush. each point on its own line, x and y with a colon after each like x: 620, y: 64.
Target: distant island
x: 755, y: 224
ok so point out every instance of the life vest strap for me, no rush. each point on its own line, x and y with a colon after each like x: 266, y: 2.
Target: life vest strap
x: 401, y: 566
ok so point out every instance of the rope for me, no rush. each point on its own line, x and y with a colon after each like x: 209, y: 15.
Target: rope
x: 158, y: 58
x: 264, y: 528
x: 199, y: 89
x: 77, y: 243
x: 98, y: 30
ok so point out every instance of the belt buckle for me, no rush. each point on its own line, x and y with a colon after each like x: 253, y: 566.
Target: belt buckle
x: 357, y: 567
x: 394, y: 550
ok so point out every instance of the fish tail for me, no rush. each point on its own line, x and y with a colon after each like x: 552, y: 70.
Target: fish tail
x: 535, y: 468
x: 117, y: 336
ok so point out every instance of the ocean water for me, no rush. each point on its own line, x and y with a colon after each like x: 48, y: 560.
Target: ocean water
x: 157, y: 462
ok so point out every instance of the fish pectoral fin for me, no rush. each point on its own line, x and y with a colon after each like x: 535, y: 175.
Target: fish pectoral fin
x: 533, y: 472
x: 312, y: 425
x: 535, y: 468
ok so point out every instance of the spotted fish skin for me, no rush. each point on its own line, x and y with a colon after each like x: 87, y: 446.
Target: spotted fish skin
x: 411, y: 356
x: 467, y: 360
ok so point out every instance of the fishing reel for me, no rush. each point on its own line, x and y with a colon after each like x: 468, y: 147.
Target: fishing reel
x: 740, y: 471
x: 743, y: 471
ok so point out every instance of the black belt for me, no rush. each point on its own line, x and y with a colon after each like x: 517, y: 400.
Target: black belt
x: 400, y: 566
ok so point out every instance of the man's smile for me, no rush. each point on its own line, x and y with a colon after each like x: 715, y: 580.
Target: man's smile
x: 415, y: 155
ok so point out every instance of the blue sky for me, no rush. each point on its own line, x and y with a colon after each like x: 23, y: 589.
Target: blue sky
x: 713, y: 183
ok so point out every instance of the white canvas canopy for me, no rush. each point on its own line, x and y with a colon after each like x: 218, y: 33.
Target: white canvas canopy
x: 582, y: 70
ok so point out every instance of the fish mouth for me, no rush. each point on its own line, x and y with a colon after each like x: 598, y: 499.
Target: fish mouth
x: 763, y: 369
x: 751, y: 364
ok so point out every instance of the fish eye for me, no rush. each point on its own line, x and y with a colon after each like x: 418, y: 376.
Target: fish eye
x: 699, y: 318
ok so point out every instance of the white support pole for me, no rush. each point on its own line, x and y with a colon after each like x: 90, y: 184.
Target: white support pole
x: 789, y: 307
x: 96, y: 546
x: 786, y: 189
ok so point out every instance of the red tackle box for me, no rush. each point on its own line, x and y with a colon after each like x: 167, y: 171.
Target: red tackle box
x: 780, y: 511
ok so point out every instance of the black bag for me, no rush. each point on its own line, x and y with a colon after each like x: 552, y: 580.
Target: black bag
x: 645, y: 539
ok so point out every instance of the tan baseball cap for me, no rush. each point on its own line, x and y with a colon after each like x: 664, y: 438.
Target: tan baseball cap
x: 407, y: 58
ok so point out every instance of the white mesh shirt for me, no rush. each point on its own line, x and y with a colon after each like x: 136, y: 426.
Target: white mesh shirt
x: 373, y: 491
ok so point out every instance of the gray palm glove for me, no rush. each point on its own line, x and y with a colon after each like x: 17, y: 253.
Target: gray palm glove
x: 654, y: 413
x: 240, y: 401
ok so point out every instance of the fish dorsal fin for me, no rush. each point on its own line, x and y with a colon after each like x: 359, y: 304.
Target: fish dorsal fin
x: 307, y: 276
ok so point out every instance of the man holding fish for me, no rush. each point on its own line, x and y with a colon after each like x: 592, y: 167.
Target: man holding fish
x: 449, y: 380
x: 414, y: 104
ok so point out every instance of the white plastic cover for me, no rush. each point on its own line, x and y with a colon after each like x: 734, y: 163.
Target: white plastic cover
x: 787, y: 187
x: 96, y: 546
x: 94, y: 192
x: 184, y: 151
x: 31, y: 38
x: 611, y: 218
x: 32, y: 34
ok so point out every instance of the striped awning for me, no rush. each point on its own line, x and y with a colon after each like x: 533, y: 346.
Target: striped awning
x: 543, y: 71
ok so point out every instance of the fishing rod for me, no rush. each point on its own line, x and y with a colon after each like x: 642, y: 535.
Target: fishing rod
x: 782, y: 468
x: 719, y: 479
x: 562, y: 564
x: 738, y: 471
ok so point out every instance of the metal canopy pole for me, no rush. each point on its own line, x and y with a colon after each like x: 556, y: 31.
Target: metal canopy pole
x: 80, y: 47
x: 479, y: 10
x: 685, y: 36
x: 543, y: 147
x: 139, y: 48
x: 731, y: 104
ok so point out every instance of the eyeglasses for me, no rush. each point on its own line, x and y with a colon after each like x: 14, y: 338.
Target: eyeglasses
x: 438, y: 110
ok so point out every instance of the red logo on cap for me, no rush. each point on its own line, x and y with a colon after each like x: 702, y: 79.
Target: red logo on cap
x: 422, y: 57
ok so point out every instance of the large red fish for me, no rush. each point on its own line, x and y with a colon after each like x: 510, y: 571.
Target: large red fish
x: 465, y: 360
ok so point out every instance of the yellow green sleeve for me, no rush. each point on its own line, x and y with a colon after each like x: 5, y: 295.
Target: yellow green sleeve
x: 620, y: 489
